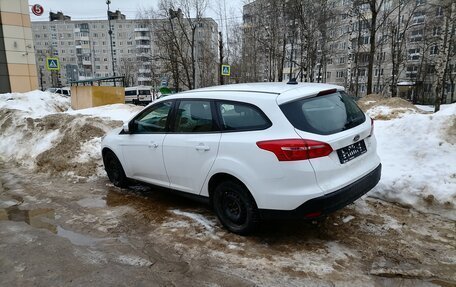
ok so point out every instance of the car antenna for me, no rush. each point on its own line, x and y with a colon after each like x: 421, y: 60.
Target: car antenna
x: 292, y: 81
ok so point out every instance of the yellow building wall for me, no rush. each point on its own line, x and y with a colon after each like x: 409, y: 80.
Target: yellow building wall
x: 83, y: 97
x: 17, y: 56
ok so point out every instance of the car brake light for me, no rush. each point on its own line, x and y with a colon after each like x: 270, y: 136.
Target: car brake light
x: 327, y: 92
x: 296, y: 149
x: 372, y: 127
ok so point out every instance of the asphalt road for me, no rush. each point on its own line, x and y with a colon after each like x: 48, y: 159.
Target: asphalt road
x: 59, y: 231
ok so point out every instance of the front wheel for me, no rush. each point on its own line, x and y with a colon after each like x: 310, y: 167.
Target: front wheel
x: 235, y: 208
x: 115, y: 170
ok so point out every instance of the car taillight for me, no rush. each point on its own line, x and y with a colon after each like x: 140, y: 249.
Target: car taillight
x: 296, y: 149
x: 372, y: 127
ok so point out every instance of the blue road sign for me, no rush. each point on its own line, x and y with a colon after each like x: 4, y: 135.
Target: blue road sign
x: 226, y: 70
x: 52, y: 64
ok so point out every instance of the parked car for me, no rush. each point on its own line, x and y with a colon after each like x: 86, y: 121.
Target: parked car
x: 139, y: 95
x: 253, y: 151
x: 66, y: 91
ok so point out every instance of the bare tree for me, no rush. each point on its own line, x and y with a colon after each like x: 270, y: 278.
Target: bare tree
x: 127, y: 67
x: 446, y: 37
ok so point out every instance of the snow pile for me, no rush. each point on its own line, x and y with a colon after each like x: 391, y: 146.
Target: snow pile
x: 384, y: 108
x: 35, y: 103
x: 418, y: 153
x: 40, y: 131
x: 117, y: 112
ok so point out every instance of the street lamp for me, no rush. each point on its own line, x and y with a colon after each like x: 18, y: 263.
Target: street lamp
x: 110, y: 39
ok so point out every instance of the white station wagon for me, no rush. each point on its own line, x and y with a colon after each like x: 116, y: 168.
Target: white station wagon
x: 251, y: 150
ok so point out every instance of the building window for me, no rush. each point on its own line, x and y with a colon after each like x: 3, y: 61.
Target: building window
x: 434, y: 50
x: 439, y: 11
x: 436, y: 31
x: 416, y: 36
x: 420, y: 2
x: 414, y: 54
x: 418, y: 17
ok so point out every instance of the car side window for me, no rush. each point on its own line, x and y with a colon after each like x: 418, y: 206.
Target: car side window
x: 154, y: 120
x: 237, y: 116
x: 194, y: 116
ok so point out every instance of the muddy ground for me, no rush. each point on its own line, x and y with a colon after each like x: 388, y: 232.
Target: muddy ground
x: 55, y: 231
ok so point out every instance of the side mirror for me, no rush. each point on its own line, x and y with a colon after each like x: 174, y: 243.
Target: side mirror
x: 126, y: 128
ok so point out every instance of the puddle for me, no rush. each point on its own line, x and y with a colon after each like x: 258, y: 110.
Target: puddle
x: 9, y: 201
x: 77, y: 238
x: 42, y: 218
x: 38, y: 218
x: 92, y: 202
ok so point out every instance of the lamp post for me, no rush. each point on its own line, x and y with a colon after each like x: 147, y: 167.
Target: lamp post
x: 110, y: 39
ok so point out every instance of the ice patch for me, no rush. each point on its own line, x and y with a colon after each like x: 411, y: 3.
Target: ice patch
x: 209, y: 225
x: 133, y: 260
x: 348, y: 219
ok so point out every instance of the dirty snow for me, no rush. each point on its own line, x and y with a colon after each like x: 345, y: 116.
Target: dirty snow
x: 35, y: 103
x: 418, y: 153
x: 117, y: 112
x: 40, y: 130
x: 384, y: 111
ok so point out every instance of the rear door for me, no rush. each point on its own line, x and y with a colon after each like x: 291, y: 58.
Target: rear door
x: 334, y: 118
x: 190, y: 149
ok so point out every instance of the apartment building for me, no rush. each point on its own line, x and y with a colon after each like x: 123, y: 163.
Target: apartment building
x: 332, y: 44
x: 84, y: 49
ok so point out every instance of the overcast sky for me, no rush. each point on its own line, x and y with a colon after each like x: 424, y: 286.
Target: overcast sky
x: 96, y: 9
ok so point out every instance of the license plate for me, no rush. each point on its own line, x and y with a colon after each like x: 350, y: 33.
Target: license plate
x: 352, y: 151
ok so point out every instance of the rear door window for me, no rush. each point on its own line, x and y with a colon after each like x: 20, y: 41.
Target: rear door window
x: 193, y: 116
x: 236, y: 116
x: 324, y: 115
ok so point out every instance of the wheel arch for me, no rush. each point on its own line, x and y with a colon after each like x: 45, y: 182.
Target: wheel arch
x: 220, y: 177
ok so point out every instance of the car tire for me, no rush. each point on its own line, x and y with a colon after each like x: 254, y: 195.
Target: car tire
x: 235, y: 208
x: 114, y: 169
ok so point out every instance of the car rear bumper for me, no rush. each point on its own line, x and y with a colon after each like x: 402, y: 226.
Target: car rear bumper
x: 323, y: 205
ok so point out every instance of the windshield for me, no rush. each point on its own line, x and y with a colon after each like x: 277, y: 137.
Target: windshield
x: 324, y: 115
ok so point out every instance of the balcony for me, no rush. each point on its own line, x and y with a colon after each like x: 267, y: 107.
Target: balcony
x: 142, y: 38
x: 144, y: 79
x: 86, y: 63
x: 143, y: 71
x: 142, y: 30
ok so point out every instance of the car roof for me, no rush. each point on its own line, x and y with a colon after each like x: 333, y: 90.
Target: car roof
x: 282, y: 92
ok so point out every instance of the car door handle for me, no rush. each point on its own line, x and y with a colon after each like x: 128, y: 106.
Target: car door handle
x: 153, y: 145
x: 202, y: 147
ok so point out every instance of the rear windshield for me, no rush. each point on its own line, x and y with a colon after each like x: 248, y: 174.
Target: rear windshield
x: 324, y: 115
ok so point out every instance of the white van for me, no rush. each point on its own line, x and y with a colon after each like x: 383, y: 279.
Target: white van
x: 139, y: 95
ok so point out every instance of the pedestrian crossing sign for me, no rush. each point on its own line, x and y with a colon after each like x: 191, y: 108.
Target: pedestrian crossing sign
x: 52, y: 64
x: 226, y: 70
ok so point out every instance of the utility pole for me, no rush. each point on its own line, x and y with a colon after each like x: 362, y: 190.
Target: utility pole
x: 110, y: 39
x: 41, y: 79
x: 221, y: 58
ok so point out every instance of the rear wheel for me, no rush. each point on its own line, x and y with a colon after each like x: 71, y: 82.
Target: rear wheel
x: 235, y: 208
x: 115, y: 170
